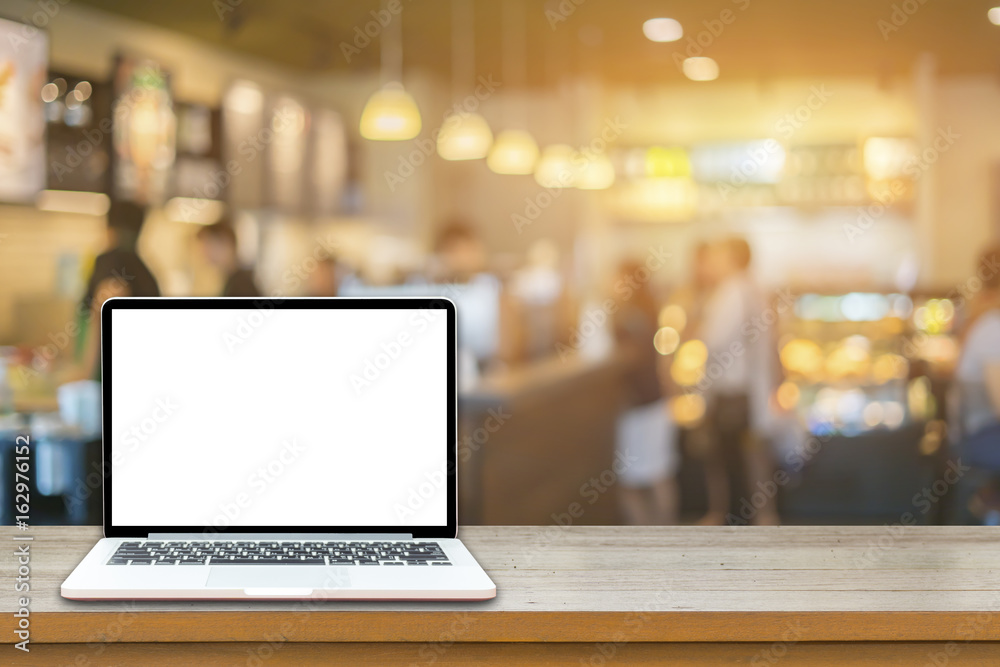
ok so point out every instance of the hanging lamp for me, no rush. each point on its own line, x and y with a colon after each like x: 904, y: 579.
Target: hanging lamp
x: 515, y: 151
x: 465, y: 135
x: 390, y: 113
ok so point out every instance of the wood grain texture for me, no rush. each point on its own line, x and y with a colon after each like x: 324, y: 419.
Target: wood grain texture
x: 534, y: 655
x: 594, y: 584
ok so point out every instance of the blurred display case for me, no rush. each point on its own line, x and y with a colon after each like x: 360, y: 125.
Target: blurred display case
x: 860, y: 362
x: 78, y: 114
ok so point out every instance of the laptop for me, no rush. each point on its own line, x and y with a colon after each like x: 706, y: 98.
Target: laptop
x: 284, y: 448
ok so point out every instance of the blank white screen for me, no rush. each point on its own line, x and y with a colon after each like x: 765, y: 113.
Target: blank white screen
x: 290, y: 417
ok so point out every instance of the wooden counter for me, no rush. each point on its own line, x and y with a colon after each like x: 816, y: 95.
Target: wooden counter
x: 531, y: 437
x: 687, y: 595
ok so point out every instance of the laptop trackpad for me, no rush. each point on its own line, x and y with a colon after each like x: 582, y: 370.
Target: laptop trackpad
x: 279, y: 577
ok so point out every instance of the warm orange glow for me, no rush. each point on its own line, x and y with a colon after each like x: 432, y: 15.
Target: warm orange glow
x: 687, y: 409
x: 662, y: 30
x: 701, y: 69
x: 802, y: 356
x: 513, y: 152
x: 673, y: 316
x: 666, y: 340
x: 788, y: 395
x: 689, y: 363
x: 888, y: 367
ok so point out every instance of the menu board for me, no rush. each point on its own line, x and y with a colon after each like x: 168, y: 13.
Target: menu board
x: 24, y: 52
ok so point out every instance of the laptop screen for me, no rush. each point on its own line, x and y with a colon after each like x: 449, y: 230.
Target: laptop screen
x: 297, y: 416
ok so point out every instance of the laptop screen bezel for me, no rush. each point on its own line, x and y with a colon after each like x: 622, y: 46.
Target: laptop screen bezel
x: 449, y: 530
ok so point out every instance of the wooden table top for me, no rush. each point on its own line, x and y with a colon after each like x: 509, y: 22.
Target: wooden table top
x: 591, y: 584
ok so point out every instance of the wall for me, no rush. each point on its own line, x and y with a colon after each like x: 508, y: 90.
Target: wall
x: 965, y: 185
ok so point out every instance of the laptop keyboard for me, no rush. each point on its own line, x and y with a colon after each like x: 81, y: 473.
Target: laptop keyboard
x: 198, y: 552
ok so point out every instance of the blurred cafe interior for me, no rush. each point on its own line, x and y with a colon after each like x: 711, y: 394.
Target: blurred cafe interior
x: 718, y: 262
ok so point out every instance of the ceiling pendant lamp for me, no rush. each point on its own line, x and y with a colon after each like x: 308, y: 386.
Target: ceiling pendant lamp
x: 597, y: 174
x: 515, y: 151
x: 390, y: 113
x: 556, y: 166
x: 465, y: 135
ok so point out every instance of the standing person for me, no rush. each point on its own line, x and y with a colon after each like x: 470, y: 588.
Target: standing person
x: 118, y: 271
x: 218, y: 243
x: 691, y: 298
x: 738, y: 384
x: 692, y: 295
x: 977, y: 383
x: 648, y: 489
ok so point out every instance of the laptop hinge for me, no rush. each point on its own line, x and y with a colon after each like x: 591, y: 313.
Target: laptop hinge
x: 281, y: 536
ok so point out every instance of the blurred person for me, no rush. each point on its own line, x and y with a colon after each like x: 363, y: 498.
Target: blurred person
x: 118, y: 271
x: 977, y: 385
x: 738, y: 385
x: 645, y: 438
x: 691, y: 297
x: 459, y: 254
x: 325, y: 279
x: 218, y: 244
